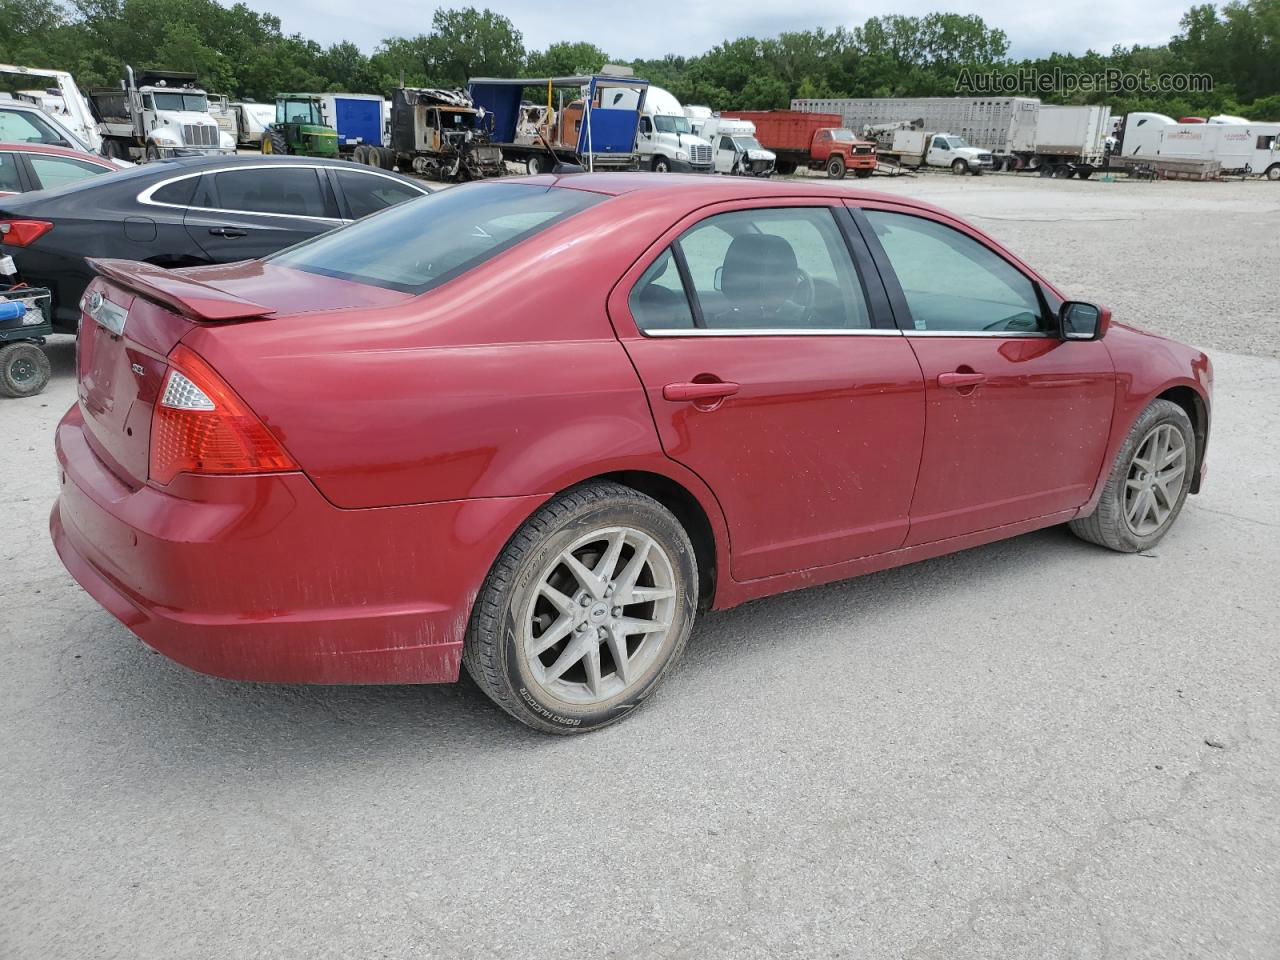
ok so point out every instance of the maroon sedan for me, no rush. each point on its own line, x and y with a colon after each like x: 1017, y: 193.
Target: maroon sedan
x: 533, y: 426
x: 36, y: 166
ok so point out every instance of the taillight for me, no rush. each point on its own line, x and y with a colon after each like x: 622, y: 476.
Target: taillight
x: 200, y: 426
x: 23, y: 233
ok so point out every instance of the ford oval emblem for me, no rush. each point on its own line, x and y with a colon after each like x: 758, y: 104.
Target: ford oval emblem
x: 95, y: 301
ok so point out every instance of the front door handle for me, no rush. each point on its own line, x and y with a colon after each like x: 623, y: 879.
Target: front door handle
x: 227, y: 231
x: 716, y: 390
x: 959, y: 379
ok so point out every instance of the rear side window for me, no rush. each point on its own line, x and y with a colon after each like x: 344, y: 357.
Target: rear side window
x: 291, y: 191
x: 421, y: 244
x: 9, y: 182
x: 658, y: 301
x: 178, y: 192
x: 368, y: 193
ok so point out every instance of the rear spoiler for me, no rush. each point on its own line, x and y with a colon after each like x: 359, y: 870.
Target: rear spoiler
x: 193, y: 299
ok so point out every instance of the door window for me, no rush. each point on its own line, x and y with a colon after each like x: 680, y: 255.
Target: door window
x: 368, y: 193
x: 293, y: 191
x: 57, y: 171
x: 784, y: 268
x: 726, y: 143
x: 952, y: 282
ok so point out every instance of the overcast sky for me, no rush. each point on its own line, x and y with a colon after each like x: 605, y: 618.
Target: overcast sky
x: 652, y: 28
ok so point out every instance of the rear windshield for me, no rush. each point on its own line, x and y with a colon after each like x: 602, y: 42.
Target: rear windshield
x: 423, y: 243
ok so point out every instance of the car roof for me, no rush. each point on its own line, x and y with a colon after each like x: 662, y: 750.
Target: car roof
x: 717, y: 189
x: 175, y: 166
x: 56, y: 151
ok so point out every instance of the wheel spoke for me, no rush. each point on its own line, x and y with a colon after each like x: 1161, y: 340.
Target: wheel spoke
x: 568, y: 657
x: 589, y: 581
x: 604, y: 569
x: 1135, y: 505
x: 618, y: 647
x: 593, y: 668
x: 626, y: 580
x: 649, y: 594
x: 552, y: 635
x: 559, y: 600
x: 630, y: 625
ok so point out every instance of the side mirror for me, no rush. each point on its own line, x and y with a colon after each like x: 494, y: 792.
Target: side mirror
x: 1078, y: 320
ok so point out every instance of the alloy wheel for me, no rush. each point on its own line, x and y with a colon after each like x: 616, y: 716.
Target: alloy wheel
x: 1154, y: 482
x: 599, y: 614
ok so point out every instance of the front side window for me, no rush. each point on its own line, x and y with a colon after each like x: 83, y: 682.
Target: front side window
x: 671, y: 124
x: 293, y: 191
x: 427, y: 242
x: 726, y: 143
x: 783, y: 269
x: 58, y: 171
x: 368, y: 193
x: 954, y: 283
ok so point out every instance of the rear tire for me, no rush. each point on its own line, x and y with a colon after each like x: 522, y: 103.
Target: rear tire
x: 1121, y: 522
x: 278, y: 142
x: 835, y: 168
x: 113, y: 150
x: 535, y: 165
x: 533, y: 595
x: 385, y: 158
x: 24, y: 370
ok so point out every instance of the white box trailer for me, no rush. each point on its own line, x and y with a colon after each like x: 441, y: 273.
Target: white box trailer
x: 1074, y: 133
x: 1236, y: 148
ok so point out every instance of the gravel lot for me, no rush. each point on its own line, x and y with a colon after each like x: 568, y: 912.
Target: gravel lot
x: 1033, y: 749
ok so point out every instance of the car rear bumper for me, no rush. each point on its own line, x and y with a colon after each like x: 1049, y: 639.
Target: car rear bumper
x: 263, y: 579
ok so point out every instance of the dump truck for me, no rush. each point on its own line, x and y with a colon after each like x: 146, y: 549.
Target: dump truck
x: 816, y: 141
x: 158, y: 113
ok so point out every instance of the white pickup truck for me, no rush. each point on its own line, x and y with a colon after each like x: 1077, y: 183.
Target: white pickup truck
x: 918, y: 148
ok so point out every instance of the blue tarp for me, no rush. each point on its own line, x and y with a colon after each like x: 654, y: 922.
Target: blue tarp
x: 612, y: 129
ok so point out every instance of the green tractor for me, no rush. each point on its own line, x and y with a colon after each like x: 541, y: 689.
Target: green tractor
x: 300, y: 128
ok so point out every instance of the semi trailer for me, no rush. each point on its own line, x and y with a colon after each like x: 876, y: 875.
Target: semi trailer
x: 1020, y: 133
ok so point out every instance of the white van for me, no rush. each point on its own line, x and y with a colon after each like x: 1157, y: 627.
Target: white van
x: 736, y: 149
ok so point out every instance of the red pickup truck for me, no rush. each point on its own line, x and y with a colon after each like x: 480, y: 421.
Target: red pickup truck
x: 814, y: 140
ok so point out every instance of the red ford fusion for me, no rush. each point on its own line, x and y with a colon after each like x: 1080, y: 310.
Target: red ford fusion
x: 534, y: 426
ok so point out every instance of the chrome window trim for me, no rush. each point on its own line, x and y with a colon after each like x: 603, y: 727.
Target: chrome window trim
x: 145, y: 196
x: 772, y: 332
x: 1007, y: 334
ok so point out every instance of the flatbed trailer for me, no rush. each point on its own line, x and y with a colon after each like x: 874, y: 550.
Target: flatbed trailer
x: 591, y: 119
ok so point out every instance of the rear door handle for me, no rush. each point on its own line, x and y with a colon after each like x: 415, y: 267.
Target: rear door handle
x: 960, y: 379
x: 717, y: 390
x: 227, y: 231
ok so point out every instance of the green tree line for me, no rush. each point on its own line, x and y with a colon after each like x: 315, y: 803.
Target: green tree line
x: 243, y: 53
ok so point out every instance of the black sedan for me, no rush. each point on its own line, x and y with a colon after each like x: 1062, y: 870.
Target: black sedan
x: 185, y: 212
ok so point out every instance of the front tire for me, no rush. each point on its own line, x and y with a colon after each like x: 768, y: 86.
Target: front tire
x: 661, y: 165
x: 835, y: 168
x: 585, y: 610
x: 1148, y: 483
x: 959, y: 168
x: 1273, y: 172
x: 862, y: 173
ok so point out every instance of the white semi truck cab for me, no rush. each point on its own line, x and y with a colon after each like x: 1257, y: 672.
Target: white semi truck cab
x: 665, y: 140
x: 159, y: 114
